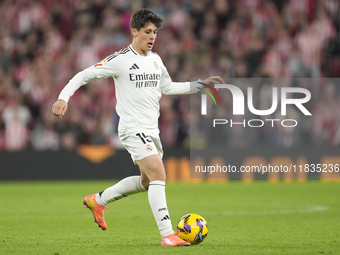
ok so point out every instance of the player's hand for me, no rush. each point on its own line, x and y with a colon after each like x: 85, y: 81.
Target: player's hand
x: 212, y: 80
x: 59, y: 108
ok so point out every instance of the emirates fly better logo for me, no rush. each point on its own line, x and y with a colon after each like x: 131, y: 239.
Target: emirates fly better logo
x: 239, y: 105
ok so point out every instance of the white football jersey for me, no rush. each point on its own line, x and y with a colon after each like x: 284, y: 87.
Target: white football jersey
x: 139, y: 83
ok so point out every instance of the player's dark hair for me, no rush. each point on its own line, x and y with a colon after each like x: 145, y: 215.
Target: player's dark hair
x: 142, y: 17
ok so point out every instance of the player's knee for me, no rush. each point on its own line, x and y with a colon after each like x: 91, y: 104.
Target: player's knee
x: 153, y: 170
x: 157, y: 176
x: 157, y: 173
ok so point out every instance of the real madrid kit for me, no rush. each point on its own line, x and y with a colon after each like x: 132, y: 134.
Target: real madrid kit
x: 139, y: 83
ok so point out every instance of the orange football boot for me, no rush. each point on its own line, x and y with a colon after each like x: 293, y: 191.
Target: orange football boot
x: 97, y: 210
x: 174, y: 240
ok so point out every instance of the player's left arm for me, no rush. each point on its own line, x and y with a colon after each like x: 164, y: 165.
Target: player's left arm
x: 212, y: 80
x: 168, y: 87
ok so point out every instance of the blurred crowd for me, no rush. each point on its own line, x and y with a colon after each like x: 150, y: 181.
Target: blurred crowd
x: 44, y: 43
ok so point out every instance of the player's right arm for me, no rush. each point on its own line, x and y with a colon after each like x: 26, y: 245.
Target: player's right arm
x: 59, y: 108
x: 101, y: 70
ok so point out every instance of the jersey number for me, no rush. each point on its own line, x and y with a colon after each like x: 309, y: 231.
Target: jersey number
x: 144, y: 138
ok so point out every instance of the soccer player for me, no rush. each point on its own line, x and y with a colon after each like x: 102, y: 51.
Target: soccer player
x: 140, y: 78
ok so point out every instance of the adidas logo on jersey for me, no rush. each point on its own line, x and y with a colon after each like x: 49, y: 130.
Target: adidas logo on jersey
x: 134, y: 66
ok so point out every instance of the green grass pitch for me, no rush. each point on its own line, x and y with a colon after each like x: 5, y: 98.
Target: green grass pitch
x: 243, y: 218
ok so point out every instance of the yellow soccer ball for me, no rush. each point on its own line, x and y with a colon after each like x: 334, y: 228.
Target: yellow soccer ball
x: 193, y: 228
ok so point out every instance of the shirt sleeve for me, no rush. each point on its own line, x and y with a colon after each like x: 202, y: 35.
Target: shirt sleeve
x: 168, y: 87
x: 101, y: 70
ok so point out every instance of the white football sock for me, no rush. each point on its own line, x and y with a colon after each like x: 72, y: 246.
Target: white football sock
x: 127, y: 186
x: 159, y: 208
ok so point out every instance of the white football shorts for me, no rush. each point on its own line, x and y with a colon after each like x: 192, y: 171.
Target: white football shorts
x: 141, y: 145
